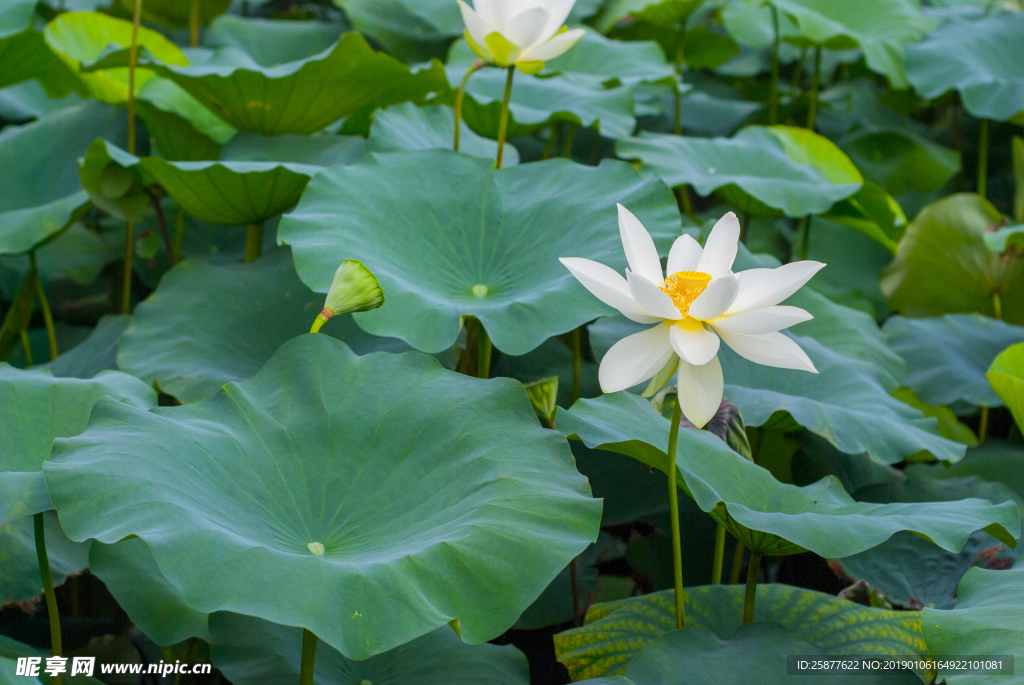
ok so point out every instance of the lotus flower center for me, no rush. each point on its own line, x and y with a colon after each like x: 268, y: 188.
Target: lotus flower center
x: 684, y: 287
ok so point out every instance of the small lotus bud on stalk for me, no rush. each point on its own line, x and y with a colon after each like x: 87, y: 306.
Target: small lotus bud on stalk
x: 354, y: 289
x: 543, y: 396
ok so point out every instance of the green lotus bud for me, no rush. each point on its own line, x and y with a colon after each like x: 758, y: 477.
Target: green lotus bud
x: 543, y: 396
x: 354, y: 289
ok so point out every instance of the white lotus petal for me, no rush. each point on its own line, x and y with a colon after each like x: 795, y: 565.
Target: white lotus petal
x: 767, y: 320
x: 700, y: 391
x: 607, y: 285
x: 554, y: 47
x: 770, y: 349
x: 641, y: 254
x: 684, y: 255
x: 559, y: 10
x: 720, y: 247
x: 478, y: 27
x: 635, y: 358
x: 526, y: 28
x: 695, y: 345
x: 652, y: 300
x: 771, y: 286
x: 715, y: 299
x: 488, y: 11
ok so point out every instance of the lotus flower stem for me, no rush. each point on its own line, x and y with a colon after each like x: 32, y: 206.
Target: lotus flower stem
x: 773, y: 107
x: 549, y: 146
x: 483, y: 351
x: 309, y: 642
x: 44, y: 304
x: 595, y: 147
x: 716, y: 569
x: 673, y: 503
x: 129, y: 243
x: 815, y: 85
x: 983, y: 159
x: 503, y: 121
x: 750, y: 595
x: 51, y: 598
x: 983, y: 425
x: 683, y: 193
x: 459, y: 96
x: 27, y: 347
x: 737, y: 563
x: 805, y: 237
x: 253, y: 243
x: 193, y: 24
x: 577, y: 363
x: 161, y: 221
x: 798, y: 71
x: 997, y: 305
x: 129, y: 251
x: 567, y: 143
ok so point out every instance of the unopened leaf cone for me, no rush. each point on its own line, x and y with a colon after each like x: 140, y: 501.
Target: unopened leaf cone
x: 354, y: 289
x: 697, y: 305
x: 520, y: 33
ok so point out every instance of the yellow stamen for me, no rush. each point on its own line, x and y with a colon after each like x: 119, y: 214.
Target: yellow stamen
x: 684, y: 287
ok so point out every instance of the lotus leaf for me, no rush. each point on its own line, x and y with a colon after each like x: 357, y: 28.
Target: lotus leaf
x: 19, y: 572
x: 251, y: 651
x: 768, y: 516
x: 176, y: 13
x: 408, y: 127
x: 472, y: 241
x: 365, y: 558
x: 270, y: 42
x: 779, y: 169
x: 945, y: 244
x: 1007, y: 378
x: 192, y: 348
x: 615, y: 632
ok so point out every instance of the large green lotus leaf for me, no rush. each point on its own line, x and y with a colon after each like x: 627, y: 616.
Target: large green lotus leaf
x: 615, y: 632
x: 906, y: 567
x: 846, y: 402
x: 461, y: 239
x: 662, y: 13
x: 82, y: 37
x: 995, y: 460
x: 874, y: 212
x: 250, y: 651
x: 367, y: 534
x: 408, y: 127
x: 39, y: 407
x: 96, y: 353
x: 19, y: 565
x: 538, y: 102
x: 943, y: 266
x: 191, y: 347
x: 948, y: 356
x: 317, y: 150
x: 304, y: 96
x: 769, y: 516
x: 176, y: 13
x: 1007, y: 378
x: 847, y: 331
x: 412, y: 30
x: 901, y: 161
x: 26, y: 101
x: 780, y: 175
x: 986, y: 621
x: 25, y: 54
x: 226, y: 193
x: 980, y: 58
x: 882, y: 30
x: 40, y: 191
x: 271, y: 42
x: 156, y: 607
x: 160, y: 99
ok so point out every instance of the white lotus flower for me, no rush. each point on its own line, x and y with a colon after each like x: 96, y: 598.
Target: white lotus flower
x: 700, y: 303
x: 524, y: 33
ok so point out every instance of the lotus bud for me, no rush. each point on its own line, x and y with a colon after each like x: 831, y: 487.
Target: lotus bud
x: 354, y: 289
x: 543, y: 396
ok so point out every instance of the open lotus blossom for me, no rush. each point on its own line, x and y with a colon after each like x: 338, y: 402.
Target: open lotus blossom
x: 524, y: 33
x: 697, y: 305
